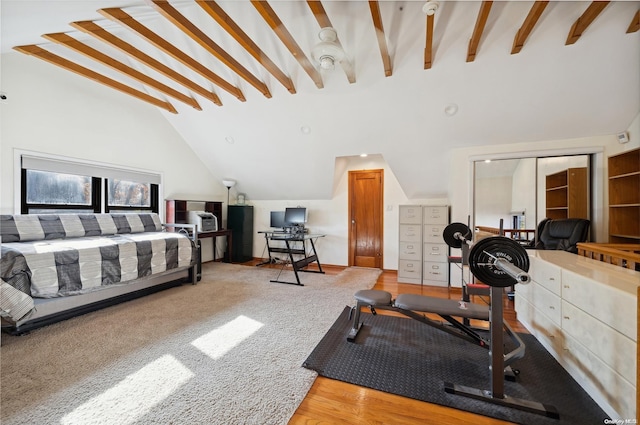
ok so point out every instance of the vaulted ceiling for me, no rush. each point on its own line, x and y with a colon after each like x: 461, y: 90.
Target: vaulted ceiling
x: 241, y: 81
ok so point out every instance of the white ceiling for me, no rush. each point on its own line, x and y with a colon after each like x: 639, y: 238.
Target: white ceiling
x: 548, y: 91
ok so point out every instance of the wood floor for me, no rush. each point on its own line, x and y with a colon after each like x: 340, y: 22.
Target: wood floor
x: 335, y: 402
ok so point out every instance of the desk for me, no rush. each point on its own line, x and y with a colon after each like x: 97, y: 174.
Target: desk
x: 295, y: 245
x: 222, y: 232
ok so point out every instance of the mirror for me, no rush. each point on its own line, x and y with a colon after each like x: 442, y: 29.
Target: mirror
x: 521, y: 192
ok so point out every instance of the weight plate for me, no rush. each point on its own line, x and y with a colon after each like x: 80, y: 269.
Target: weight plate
x: 483, y: 254
x: 449, y: 234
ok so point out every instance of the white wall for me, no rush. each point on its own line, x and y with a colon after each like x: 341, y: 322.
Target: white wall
x: 331, y: 217
x: 80, y: 119
x: 493, y: 201
x: 523, y: 187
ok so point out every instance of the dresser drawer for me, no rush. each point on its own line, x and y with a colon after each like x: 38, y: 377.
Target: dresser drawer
x: 547, y: 302
x: 590, y: 371
x: 411, y: 233
x: 435, y: 252
x: 433, y: 233
x: 411, y: 214
x: 544, y: 329
x: 607, y: 304
x: 613, y: 348
x: 436, y: 215
x: 410, y: 251
x: 547, y: 275
x: 525, y: 290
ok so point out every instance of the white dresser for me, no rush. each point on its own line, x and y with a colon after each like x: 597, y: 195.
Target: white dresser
x: 422, y: 257
x: 584, y: 312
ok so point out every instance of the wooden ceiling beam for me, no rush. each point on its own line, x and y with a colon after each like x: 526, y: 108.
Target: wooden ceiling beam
x: 483, y: 15
x: 527, y: 26
x: 382, y: 41
x: 77, y: 46
x: 634, y: 26
x: 196, y: 34
x: 583, y: 22
x: 220, y: 16
x: 428, y: 46
x: 287, y: 39
x: 40, y: 53
x: 120, y: 16
x: 323, y: 20
x: 95, y: 30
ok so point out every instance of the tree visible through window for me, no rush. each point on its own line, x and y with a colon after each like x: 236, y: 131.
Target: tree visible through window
x: 44, y: 187
x: 129, y: 194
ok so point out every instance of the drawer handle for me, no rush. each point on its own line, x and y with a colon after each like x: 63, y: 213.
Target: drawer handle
x: 551, y: 336
x: 435, y: 253
x: 411, y: 252
x: 552, y: 307
x: 566, y: 317
x: 567, y: 286
x: 551, y: 278
x: 434, y: 273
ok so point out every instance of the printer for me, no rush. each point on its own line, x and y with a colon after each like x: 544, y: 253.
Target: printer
x: 204, y: 221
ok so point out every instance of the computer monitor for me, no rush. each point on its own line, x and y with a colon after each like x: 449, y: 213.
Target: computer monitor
x: 295, y: 216
x: 277, y: 220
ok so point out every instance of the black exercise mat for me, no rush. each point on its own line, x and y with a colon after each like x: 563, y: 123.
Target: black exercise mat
x: 405, y: 357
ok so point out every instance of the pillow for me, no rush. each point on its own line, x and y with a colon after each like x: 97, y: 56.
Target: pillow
x: 14, y: 304
x: 20, y: 228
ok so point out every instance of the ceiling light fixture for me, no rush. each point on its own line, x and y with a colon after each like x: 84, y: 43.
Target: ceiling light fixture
x: 328, y: 51
x: 229, y: 140
x: 363, y: 155
x: 430, y: 7
x: 305, y: 129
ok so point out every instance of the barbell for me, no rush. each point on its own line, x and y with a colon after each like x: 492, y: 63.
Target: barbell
x: 495, y: 261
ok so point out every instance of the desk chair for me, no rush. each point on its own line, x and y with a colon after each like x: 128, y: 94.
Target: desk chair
x: 563, y: 234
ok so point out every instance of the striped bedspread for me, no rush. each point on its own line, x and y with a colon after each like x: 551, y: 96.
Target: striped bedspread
x: 59, y: 267
x: 54, y: 255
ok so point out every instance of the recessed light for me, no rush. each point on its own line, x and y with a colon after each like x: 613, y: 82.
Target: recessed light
x: 486, y: 161
x: 451, y: 109
x: 363, y: 155
x: 305, y: 129
x: 230, y: 140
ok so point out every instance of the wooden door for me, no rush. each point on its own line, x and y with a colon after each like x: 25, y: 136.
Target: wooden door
x: 366, y: 218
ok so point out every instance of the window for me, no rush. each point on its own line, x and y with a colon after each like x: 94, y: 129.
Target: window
x: 58, y: 185
x: 131, y: 196
x: 46, y: 192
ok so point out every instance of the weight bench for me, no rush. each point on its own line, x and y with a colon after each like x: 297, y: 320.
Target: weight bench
x: 498, y: 262
x: 416, y: 307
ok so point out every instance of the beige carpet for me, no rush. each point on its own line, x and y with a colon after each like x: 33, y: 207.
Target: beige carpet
x: 226, y: 351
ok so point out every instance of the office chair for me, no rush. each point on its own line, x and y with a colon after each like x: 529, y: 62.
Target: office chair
x: 563, y: 234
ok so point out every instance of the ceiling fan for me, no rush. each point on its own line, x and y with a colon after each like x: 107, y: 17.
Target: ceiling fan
x: 328, y: 51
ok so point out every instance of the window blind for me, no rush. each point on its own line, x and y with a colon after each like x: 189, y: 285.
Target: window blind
x: 55, y: 165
